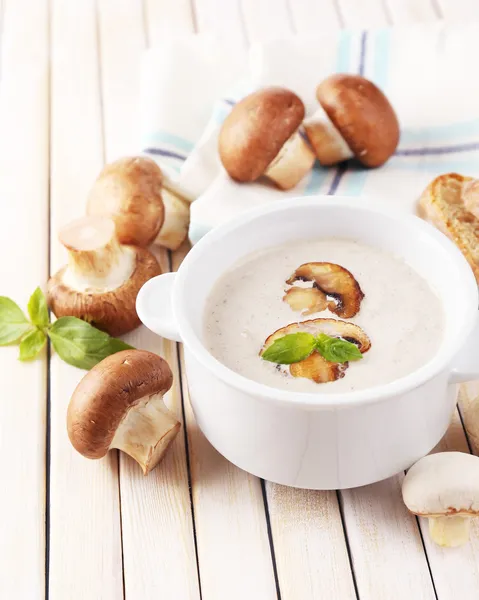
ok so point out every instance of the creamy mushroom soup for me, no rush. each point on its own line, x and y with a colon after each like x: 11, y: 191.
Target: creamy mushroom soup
x: 315, y: 286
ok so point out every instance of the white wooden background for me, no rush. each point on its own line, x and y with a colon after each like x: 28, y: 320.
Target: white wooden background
x: 197, y: 527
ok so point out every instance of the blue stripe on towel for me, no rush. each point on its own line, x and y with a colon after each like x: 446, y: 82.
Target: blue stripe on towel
x: 159, y: 139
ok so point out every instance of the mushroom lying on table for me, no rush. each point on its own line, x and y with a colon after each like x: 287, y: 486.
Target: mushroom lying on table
x: 131, y: 191
x: 102, y: 279
x: 328, y: 279
x: 315, y: 366
x: 119, y: 404
x: 445, y: 488
x: 355, y: 120
x: 260, y: 137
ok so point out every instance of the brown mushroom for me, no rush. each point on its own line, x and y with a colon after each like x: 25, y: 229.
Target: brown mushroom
x: 119, y: 404
x: 260, y: 137
x: 355, y: 119
x: 316, y: 367
x: 330, y: 280
x: 102, y: 278
x: 131, y: 191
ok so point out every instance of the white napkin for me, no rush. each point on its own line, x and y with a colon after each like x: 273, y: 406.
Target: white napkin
x: 427, y: 71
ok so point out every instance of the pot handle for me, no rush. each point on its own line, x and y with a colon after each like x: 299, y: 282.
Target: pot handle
x: 154, y: 306
x: 466, y: 364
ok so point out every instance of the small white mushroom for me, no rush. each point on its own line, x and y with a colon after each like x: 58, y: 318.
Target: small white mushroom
x: 119, y: 404
x: 444, y: 487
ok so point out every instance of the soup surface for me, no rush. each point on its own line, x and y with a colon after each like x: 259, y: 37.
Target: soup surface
x: 400, y: 313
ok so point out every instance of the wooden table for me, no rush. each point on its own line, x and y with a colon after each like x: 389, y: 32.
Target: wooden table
x: 197, y: 527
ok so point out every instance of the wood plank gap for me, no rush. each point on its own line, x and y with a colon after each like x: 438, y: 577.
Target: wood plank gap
x: 270, y: 537
x: 339, y: 12
x: 436, y: 5
x: 346, y: 539
x: 103, y: 154
x: 461, y: 418
x: 194, y: 16
x: 100, y: 83
x: 49, y: 347
x: 426, y: 555
x: 387, y: 12
x: 144, y: 16
x: 182, y: 378
x: 290, y: 12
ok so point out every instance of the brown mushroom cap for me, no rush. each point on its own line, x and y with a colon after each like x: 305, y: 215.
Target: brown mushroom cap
x: 315, y: 366
x: 111, y: 311
x: 328, y: 279
x: 363, y: 116
x: 129, y: 190
x: 107, y: 392
x: 256, y: 129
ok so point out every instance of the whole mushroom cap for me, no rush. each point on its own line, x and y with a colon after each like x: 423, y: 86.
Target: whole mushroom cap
x: 363, y: 115
x: 256, y: 129
x: 104, y: 396
x: 129, y: 190
x: 446, y: 483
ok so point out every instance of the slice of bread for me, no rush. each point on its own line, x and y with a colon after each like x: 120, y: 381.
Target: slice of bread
x: 442, y: 203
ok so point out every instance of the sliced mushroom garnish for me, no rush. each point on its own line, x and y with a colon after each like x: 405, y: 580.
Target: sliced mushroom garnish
x: 318, y: 369
x: 315, y: 366
x: 330, y: 280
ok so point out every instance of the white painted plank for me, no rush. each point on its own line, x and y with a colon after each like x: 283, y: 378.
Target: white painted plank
x: 366, y: 14
x: 164, y: 17
x: 221, y: 19
x: 233, y: 548
x: 386, y: 548
x: 85, y: 542
x: 411, y: 11
x: 455, y: 570
x: 309, y: 544
x: 24, y: 134
x: 158, y: 542
x: 310, y: 17
x: 266, y: 19
x: 459, y: 11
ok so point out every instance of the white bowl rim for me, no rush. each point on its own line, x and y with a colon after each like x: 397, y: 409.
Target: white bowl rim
x: 317, y: 400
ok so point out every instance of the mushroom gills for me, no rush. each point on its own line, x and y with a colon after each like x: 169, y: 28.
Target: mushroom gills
x: 146, y: 431
x: 96, y: 261
x: 328, y: 144
x: 174, y: 230
x: 291, y: 164
x: 450, y: 531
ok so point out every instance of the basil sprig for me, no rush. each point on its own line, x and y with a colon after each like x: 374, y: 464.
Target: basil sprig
x: 295, y: 347
x: 75, y: 341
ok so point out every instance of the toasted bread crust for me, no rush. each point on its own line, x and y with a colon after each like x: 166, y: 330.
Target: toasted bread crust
x: 442, y: 204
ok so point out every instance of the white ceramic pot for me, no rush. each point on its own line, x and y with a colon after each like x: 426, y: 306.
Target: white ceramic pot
x: 320, y: 441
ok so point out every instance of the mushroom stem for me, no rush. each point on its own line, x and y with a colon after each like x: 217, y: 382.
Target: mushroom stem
x: 174, y: 230
x: 449, y: 531
x: 293, y: 161
x: 96, y: 259
x: 328, y: 144
x: 146, y: 432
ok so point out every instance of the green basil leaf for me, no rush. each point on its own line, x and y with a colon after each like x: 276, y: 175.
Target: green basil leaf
x: 37, y: 309
x: 337, y: 350
x: 80, y: 344
x: 31, y: 344
x: 13, y: 322
x: 291, y: 348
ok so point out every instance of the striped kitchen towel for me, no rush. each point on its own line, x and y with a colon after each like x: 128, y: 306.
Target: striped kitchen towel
x: 427, y: 71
